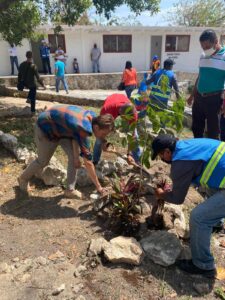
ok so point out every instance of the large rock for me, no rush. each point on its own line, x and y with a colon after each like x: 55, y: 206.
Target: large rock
x: 9, y: 142
x: 162, y: 247
x: 97, y: 246
x: 123, y: 250
x: 106, y: 167
x: 83, y: 178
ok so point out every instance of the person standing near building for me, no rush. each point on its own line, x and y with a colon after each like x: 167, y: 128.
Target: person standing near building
x: 129, y: 78
x: 207, y: 96
x: 60, y: 75
x: 163, y: 81
x: 76, y: 68
x: 45, y: 57
x: 155, y: 65
x: 70, y: 127
x: 28, y: 75
x: 13, y: 58
x: 95, y: 57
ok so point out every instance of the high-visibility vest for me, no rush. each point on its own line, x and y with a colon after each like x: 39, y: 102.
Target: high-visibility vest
x: 162, y: 86
x: 211, y: 152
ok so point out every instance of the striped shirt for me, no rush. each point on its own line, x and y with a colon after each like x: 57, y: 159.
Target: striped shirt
x: 212, y: 72
x: 68, y: 121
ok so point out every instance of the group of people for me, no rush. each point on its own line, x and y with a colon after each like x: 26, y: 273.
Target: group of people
x: 199, y: 160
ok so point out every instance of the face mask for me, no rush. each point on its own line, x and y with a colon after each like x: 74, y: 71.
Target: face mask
x: 209, y: 52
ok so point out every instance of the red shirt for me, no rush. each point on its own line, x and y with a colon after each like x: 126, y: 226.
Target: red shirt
x: 113, y: 104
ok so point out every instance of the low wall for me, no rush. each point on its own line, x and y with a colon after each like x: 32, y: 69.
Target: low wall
x: 94, y: 81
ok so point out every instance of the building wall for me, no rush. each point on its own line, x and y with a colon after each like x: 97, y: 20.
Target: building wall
x: 80, y: 40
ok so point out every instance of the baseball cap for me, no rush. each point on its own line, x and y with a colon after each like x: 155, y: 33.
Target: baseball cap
x: 162, y: 142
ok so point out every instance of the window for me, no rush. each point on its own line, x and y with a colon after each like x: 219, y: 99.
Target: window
x: 117, y: 43
x: 55, y: 40
x: 177, y: 43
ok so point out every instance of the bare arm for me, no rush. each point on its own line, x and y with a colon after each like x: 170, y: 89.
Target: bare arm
x: 191, y: 98
x: 91, y: 172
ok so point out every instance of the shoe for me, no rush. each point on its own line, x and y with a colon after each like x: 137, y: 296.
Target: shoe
x: 23, y: 185
x: 73, y: 194
x: 67, y: 92
x: 28, y: 101
x: 188, y: 266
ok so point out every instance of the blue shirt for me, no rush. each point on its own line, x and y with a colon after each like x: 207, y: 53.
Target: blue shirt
x: 60, y: 66
x: 44, y: 51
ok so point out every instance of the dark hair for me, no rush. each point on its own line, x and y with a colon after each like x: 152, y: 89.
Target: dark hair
x: 168, y: 63
x: 128, y: 65
x: 104, y: 121
x: 59, y: 46
x: 29, y: 54
x: 208, y: 35
x: 95, y: 45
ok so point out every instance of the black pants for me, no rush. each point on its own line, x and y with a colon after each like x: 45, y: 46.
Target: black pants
x: 222, y: 128
x: 46, y: 65
x: 206, y: 109
x: 32, y: 97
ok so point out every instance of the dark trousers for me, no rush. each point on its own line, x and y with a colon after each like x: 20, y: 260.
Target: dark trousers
x: 222, y: 128
x: 14, y: 60
x: 32, y: 97
x: 206, y: 110
x: 129, y: 89
x: 46, y: 65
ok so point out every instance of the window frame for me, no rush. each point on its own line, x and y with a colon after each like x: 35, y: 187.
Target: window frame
x: 177, y: 36
x: 117, y: 48
x: 51, y: 35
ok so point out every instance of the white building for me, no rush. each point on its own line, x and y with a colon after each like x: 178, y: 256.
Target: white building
x: 118, y: 44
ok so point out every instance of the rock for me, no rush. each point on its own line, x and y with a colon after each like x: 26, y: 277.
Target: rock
x: 202, y: 288
x: 178, y: 219
x: 84, y: 180
x: 9, y: 142
x: 121, y: 164
x: 41, y: 261
x: 106, y: 167
x: 94, y: 196
x: 79, y: 270
x: 4, y: 268
x: 24, y: 155
x: 59, y: 290
x: 81, y: 298
x: 148, y: 189
x: 16, y: 259
x: 96, y: 246
x: 162, y: 247
x: 123, y: 250
x: 25, y: 277
x: 77, y: 288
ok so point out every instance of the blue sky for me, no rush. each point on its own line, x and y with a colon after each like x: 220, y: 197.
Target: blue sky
x: 145, y: 18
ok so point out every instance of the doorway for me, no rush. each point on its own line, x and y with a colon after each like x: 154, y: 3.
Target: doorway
x: 156, y: 46
x: 35, y: 46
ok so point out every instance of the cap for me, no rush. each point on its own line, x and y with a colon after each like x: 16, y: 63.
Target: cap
x: 162, y: 142
x: 155, y: 57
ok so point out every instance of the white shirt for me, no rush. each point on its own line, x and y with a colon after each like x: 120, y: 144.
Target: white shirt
x: 12, y: 51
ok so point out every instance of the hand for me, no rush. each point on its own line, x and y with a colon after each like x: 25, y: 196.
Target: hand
x: 130, y: 160
x: 77, y: 164
x: 190, y: 100
x: 159, y: 192
x: 102, y: 191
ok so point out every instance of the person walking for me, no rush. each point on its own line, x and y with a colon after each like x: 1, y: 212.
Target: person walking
x: 27, y: 76
x: 155, y: 65
x: 13, y: 58
x: 60, y: 75
x: 200, y: 161
x: 129, y: 78
x: 71, y: 127
x: 95, y: 57
x: 207, y: 95
x: 119, y: 105
x: 163, y: 80
x: 45, y: 57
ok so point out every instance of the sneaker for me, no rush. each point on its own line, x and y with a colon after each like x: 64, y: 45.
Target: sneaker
x: 73, y: 194
x: 28, y: 100
x: 188, y: 266
x: 23, y: 185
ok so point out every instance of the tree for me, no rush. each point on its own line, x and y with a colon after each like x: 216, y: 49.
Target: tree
x: 209, y: 13
x: 23, y: 17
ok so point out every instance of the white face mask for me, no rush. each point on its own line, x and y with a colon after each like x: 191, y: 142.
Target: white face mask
x: 209, y: 52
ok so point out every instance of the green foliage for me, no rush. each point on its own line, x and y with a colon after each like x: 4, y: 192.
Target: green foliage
x: 208, y: 13
x: 219, y: 292
x: 125, y: 204
x: 18, y: 21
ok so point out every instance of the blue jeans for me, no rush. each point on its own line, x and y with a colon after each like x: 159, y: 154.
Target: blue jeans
x: 129, y: 89
x: 57, y: 83
x: 202, y: 220
x: 95, y: 66
x: 136, y: 153
x: 14, y: 60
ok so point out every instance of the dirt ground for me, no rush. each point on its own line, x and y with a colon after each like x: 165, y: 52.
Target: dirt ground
x: 44, y: 240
